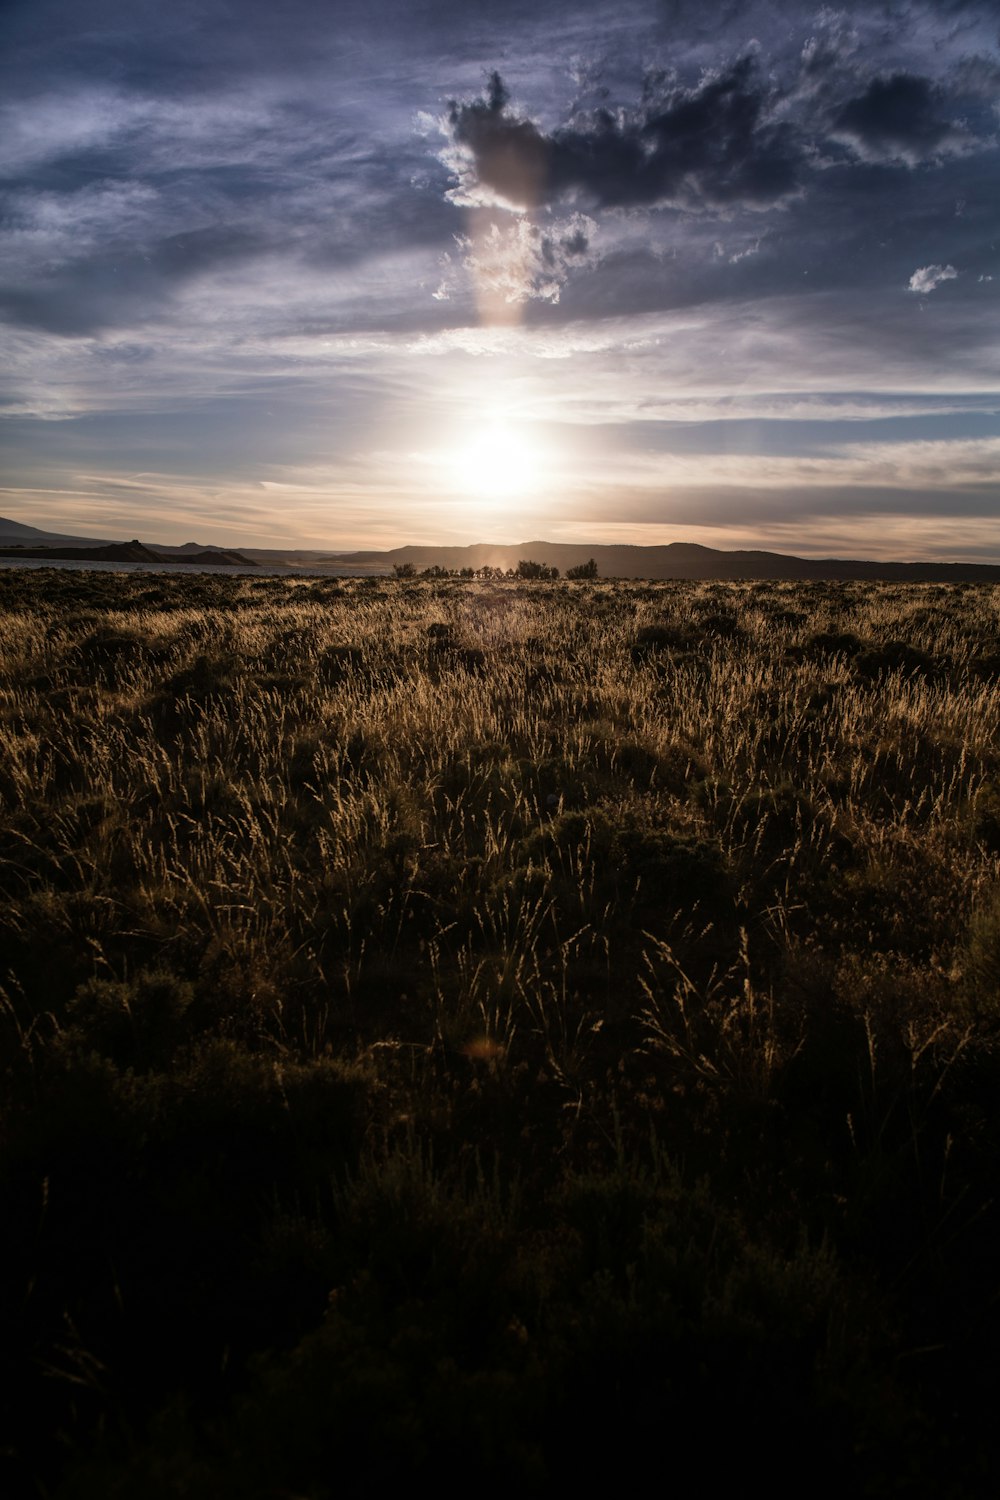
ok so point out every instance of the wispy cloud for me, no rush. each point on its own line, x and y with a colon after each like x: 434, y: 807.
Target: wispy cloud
x: 673, y: 238
x: 928, y: 277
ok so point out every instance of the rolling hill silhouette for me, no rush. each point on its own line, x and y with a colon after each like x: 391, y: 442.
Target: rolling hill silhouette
x: 683, y: 560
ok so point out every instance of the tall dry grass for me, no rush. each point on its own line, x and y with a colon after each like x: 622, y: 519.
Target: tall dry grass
x: 500, y: 873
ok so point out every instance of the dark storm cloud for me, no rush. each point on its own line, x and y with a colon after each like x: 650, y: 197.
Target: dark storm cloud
x: 857, y: 237
x: 901, y: 115
x: 754, y: 132
x: 716, y: 143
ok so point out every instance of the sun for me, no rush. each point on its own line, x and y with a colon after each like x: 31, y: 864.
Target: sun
x: 497, y: 460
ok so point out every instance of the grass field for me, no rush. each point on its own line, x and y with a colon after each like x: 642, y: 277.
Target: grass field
x: 498, y: 1033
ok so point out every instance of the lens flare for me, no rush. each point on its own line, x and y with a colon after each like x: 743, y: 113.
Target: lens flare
x: 497, y: 460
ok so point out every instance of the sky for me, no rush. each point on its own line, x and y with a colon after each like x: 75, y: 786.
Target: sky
x: 341, y: 274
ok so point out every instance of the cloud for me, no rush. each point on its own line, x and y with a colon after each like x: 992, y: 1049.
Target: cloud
x: 714, y: 144
x: 526, y: 261
x: 899, y: 117
x: 221, y: 245
x: 928, y: 277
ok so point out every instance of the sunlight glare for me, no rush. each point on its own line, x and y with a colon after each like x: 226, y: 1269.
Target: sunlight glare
x: 497, y: 460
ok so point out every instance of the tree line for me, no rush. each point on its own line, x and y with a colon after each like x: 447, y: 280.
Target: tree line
x: 525, y: 569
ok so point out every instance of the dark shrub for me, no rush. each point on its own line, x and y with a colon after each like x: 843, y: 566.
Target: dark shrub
x: 722, y: 623
x: 340, y: 662
x: 674, y: 869
x: 654, y: 638
x: 981, y: 962
x: 441, y: 634
x: 208, y: 677
x: 986, y: 828
x: 134, y: 1025
x: 773, y: 818
x: 826, y: 643
x: 894, y: 656
x: 987, y: 666
x: 662, y: 869
x: 107, y: 655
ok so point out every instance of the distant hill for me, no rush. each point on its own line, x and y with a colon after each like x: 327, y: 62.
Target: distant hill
x: 214, y: 557
x: 23, y: 541
x: 684, y: 560
x: 675, y: 560
x: 15, y: 533
x: 104, y: 552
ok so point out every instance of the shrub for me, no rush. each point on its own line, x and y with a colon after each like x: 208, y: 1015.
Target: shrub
x: 981, y: 961
x: 655, y: 638
x: 340, y: 663
x: 134, y: 1025
x: 827, y: 643
x: 894, y: 656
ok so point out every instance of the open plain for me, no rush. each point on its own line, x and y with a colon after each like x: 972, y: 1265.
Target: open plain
x: 498, y: 1032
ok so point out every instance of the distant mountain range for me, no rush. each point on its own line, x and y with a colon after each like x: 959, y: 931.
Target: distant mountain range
x: 17, y: 540
x: 675, y: 560
x: 683, y: 560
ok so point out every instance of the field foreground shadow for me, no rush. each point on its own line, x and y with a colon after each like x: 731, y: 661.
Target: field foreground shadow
x: 498, y: 1033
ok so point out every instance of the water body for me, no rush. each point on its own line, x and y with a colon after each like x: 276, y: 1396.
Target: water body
x: 263, y: 570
